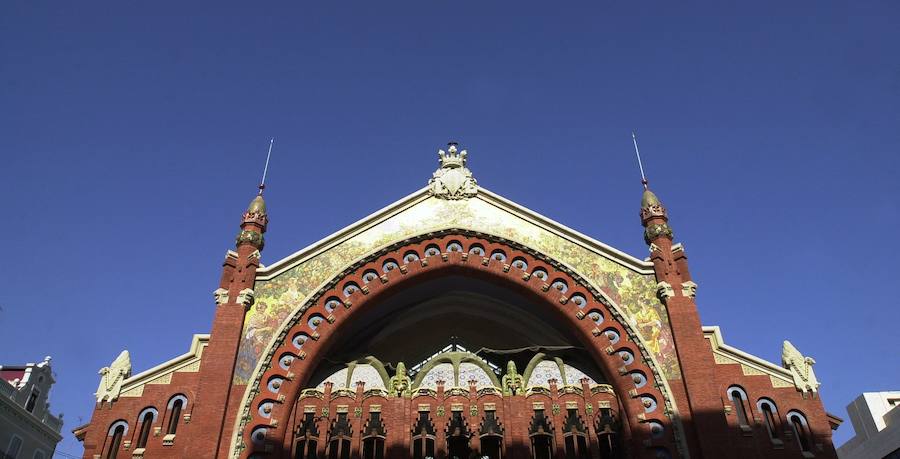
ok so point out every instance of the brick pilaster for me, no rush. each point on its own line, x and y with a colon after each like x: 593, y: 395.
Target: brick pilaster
x: 704, y: 417
x: 234, y: 296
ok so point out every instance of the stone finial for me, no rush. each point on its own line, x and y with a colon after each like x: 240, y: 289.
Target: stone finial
x: 651, y: 206
x: 801, y: 369
x: 654, y: 218
x: 112, y: 377
x: 253, y: 224
x: 452, y: 180
x: 256, y: 212
x: 512, y: 381
x: 400, y: 382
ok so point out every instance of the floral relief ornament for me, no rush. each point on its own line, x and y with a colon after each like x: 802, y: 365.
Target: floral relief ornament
x: 112, y: 377
x: 453, y: 180
x: 801, y: 368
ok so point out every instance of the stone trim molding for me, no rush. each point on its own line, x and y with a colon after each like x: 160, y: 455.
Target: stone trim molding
x: 188, y: 362
x: 23, y: 417
x: 413, y: 199
x: 750, y: 364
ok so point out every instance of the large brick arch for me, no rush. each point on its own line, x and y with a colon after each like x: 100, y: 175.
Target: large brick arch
x: 608, y: 356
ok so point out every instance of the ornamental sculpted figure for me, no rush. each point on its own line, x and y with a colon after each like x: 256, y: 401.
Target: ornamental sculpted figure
x: 400, y: 382
x: 801, y: 368
x: 453, y: 180
x: 112, y: 377
x: 512, y: 381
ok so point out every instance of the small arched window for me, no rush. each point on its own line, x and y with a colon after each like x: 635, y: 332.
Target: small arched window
x: 458, y: 437
x: 175, y: 407
x: 739, y: 399
x: 423, y: 437
x: 32, y: 399
x: 801, y: 431
x: 114, y: 438
x: 306, y: 437
x: 769, y: 413
x: 575, y: 436
x: 491, y: 435
x: 607, y: 428
x: 373, y: 437
x: 146, y: 419
x: 339, y: 438
x: 541, y: 432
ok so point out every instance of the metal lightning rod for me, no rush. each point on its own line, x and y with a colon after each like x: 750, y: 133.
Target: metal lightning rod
x: 262, y: 184
x: 638, y: 153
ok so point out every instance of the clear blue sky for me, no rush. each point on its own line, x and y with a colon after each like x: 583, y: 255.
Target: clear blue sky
x: 132, y: 136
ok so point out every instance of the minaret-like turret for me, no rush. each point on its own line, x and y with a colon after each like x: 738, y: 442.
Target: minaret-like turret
x: 215, y: 398
x: 676, y: 291
x: 253, y: 223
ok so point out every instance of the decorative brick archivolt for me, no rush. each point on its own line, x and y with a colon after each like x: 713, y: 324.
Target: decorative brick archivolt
x: 302, y: 341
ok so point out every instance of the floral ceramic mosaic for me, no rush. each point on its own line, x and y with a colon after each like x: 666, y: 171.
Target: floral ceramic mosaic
x: 574, y: 376
x: 544, y: 372
x: 277, y: 297
x: 369, y: 375
x: 439, y: 372
x: 337, y: 379
x: 471, y: 372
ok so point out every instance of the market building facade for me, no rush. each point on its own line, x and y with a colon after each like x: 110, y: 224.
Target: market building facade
x: 455, y: 323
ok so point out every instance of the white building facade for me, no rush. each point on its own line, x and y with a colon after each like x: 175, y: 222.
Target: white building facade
x: 27, y: 428
x: 876, y: 420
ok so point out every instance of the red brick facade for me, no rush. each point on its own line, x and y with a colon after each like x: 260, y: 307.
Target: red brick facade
x: 724, y: 404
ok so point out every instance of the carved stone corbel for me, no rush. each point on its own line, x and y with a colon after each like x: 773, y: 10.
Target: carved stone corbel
x: 689, y: 289
x: 246, y: 297
x: 664, y: 291
x: 221, y: 296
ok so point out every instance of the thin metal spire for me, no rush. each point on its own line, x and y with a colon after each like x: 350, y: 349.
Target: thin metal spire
x: 638, y: 153
x: 262, y: 184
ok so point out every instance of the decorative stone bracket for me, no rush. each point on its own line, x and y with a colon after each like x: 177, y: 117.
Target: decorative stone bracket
x: 246, y: 297
x: 689, y: 289
x: 221, y: 296
x: 664, y: 291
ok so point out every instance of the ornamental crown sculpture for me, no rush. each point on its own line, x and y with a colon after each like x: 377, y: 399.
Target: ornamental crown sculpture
x: 451, y: 158
x: 453, y: 180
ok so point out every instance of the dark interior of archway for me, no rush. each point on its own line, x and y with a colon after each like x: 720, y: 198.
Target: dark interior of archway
x: 490, y: 319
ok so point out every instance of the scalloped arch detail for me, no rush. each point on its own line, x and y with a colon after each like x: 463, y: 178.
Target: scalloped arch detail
x: 607, y: 355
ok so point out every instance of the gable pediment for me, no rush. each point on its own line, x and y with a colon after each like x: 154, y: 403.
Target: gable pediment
x: 282, y: 286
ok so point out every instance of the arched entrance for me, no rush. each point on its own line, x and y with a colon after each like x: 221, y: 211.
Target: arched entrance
x: 322, y: 323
